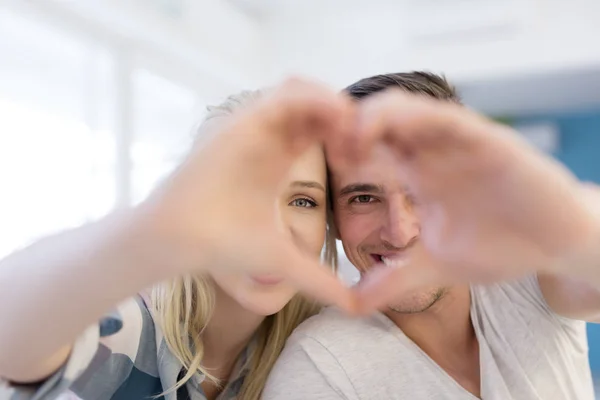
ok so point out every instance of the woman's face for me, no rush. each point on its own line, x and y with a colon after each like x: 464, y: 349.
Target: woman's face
x: 302, y: 206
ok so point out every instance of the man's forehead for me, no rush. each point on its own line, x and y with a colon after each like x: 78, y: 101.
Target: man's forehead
x: 381, y: 169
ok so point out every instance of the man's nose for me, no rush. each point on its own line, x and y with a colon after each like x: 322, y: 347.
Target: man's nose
x: 401, y: 224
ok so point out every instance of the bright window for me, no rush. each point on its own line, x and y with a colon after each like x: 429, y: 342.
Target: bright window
x: 165, y: 117
x: 56, y: 142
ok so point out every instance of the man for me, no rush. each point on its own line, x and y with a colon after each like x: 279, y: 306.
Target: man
x: 453, y: 198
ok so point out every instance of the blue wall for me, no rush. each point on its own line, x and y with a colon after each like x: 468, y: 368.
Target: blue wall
x: 580, y: 151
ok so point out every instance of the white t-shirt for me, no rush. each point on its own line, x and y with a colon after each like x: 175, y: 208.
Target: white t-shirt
x: 526, y: 352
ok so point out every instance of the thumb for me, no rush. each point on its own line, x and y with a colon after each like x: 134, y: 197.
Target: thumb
x: 312, y: 278
x: 384, y: 285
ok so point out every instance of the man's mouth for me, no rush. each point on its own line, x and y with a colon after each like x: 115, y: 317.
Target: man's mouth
x: 390, y: 260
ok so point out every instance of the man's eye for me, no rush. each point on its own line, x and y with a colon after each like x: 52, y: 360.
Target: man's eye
x: 303, y: 202
x: 363, y: 198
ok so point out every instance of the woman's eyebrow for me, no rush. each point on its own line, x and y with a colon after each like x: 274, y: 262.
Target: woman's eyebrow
x: 308, y: 184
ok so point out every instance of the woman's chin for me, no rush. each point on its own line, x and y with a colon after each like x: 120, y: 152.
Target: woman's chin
x: 261, y: 295
x: 266, y: 304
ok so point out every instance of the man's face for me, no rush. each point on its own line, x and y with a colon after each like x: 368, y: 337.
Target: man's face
x: 376, y: 221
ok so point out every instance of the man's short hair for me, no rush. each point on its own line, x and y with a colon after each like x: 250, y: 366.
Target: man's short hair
x: 420, y: 82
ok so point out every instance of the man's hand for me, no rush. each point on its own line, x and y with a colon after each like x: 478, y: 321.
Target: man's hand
x: 491, y: 207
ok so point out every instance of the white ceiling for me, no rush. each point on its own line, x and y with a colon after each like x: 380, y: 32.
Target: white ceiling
x: 522, y: 68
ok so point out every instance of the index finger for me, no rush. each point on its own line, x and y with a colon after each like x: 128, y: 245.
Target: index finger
x: 315, y: 280
x: 408, y: 122
x: 300, y: 110
x: 383, y: 285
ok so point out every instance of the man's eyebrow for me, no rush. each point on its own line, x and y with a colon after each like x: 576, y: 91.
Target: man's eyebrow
x: 308, y: 184
x: 360, y: 187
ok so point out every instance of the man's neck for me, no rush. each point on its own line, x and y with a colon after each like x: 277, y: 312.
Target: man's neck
x: 445, y: 333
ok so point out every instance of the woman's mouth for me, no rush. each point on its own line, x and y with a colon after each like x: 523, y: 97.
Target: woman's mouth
x: 267, y: 280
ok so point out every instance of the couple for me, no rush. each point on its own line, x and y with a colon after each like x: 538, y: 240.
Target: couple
x: 425, y: 195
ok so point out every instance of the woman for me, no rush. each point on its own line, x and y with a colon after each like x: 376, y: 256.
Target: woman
x: 214, y: 330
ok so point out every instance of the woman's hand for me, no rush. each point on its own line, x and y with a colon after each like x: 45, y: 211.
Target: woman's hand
x: 218, y: 209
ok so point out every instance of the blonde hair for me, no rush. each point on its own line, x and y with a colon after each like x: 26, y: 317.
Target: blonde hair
x: 183, y: 306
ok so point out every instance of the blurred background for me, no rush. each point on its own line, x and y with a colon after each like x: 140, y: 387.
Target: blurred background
x: 99, y: 99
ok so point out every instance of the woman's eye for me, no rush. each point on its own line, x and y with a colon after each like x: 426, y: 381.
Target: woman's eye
x: 304, y: 203
x: 363, y: 198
